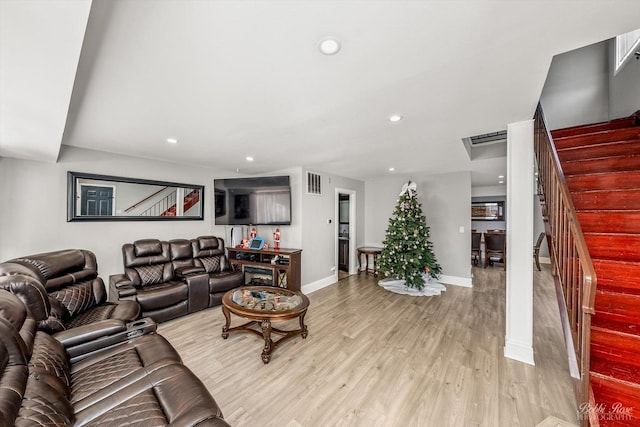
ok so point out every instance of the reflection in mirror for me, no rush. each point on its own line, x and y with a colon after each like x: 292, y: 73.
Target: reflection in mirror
x: 487, y: 211
x: 93, y: 197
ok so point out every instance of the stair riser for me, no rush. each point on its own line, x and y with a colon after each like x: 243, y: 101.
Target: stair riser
x: 598, y: 127
x: 616, y: 347
x: 617, y: 274
x: 608, y: 393
x: 604, y: 181
x: 599, y: 151
x: 627, y: 134
x: 609, y: 222
x: 624, y: 247
x: 618, y: 307
x: 607, y: 200
x: 613, y: 164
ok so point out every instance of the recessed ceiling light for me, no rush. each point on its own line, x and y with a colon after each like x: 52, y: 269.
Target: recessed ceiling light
x: 395, y: 118
x: 172, y: 140
x: 329, y: 46
x: 249, y: 159
x: 500, y: 182
x: 392, y: 169
x: 500, y: 176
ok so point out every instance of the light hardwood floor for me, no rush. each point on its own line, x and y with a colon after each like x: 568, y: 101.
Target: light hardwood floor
x: 375, y: 358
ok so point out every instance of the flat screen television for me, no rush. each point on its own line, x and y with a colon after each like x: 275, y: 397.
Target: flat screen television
x: 258, y: 201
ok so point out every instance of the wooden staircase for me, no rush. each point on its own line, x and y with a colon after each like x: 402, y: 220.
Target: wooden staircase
x: 189, y: 201
x: 601, y: 165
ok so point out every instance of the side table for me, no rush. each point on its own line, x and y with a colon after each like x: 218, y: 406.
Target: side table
x: 366, y: 251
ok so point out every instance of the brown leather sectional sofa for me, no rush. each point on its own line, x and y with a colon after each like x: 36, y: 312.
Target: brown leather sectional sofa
x: 173, y: 278
x: 76, y: 295
x: 139, y: 382
x: 69, y: 358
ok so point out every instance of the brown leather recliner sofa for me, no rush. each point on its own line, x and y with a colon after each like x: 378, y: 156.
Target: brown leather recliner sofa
x: 75, y: 294
x: 141, y: 381
x: 172, y: 278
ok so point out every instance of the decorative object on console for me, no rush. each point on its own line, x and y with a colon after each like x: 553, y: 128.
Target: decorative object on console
x: 276, y: 239
x: 256, y: 243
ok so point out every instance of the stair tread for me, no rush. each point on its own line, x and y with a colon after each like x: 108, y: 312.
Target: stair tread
x: 600, y: 150
x: 604, y: 180
x: 622, y: 290
x: 611, y: 135
x: 614, y: 326
x: 621, y: 123
x: 616, y: 199
x: 608, y: 164
x: 618, y: 371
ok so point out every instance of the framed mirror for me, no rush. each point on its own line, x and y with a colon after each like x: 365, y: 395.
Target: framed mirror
x: 487, y: 211
x: 92, y: 197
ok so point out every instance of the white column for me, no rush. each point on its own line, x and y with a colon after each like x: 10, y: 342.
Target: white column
x: 519, y: 292
x: 179, y: 201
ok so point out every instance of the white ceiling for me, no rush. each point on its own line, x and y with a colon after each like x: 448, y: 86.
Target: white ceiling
x: 231, y: 79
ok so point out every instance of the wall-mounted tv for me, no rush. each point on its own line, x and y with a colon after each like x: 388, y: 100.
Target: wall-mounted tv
x: 258, y: 201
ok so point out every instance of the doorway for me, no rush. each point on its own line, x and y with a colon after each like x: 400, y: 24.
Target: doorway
x: 345, y: 232
x: 96, y: 200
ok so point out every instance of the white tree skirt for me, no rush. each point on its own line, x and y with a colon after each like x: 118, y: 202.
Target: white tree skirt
x: 431, y: 287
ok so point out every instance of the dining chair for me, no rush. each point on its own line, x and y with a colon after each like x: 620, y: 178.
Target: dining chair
x: 536, y: 250
x: 495, y: 248
x: 475, y: 247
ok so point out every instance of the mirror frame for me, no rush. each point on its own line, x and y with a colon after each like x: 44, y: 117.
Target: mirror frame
x: 72, y: 188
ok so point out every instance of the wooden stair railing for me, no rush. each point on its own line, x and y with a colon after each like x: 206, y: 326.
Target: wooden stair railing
x: 571, y: 263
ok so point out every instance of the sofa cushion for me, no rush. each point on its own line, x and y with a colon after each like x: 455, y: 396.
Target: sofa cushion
x: 224, y: 281
x: 207, y: 242
x: 125, y: 309
x: 147, y: 247
x: 210, y: 264
x: 162, y: 295
x: 42, y: 405
x: 150, y: 274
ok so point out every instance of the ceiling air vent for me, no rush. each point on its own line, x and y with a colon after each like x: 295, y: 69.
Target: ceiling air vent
x: 487, y: 138
x: 314, y: 183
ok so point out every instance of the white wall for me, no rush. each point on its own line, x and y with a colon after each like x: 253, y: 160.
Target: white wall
x: 34, y: 216
x: 319, y: 236
x: 576, y: 90
x: 446, y: 204
x: 37, y: 221
x: 624, y: 89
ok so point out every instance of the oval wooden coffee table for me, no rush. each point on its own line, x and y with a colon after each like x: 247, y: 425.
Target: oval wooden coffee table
x: 262, y: 305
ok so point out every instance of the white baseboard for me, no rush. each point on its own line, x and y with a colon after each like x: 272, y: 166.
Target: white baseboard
x: 518, y: 351
x: 544, y: 260
x: 319, y: 284
x: 454, y: 280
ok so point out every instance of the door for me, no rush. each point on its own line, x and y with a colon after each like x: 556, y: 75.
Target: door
x: 96, y: 201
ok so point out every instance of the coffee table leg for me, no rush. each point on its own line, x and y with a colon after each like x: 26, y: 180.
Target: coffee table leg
x: 303, y: 327
x: 268, y: 344
x: 225, y: 328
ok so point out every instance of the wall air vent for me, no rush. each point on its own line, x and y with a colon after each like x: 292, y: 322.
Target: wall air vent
x: 314, y: 183
x: 488, y: 138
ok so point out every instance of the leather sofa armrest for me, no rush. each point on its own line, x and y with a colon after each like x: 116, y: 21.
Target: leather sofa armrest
x: 119, y: 281
x: 120, y: 288
x: 86, y: 340
x: 81, y: 334
x: 198, y: 292
x: 184, y: 272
